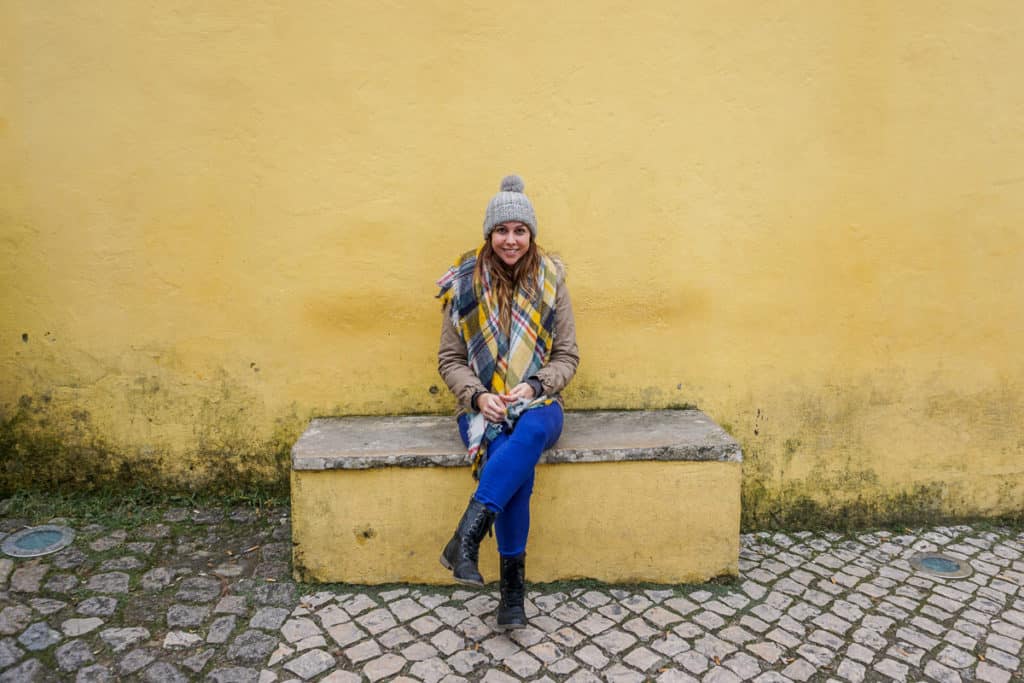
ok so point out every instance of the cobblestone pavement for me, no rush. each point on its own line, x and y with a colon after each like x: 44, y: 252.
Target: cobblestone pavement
x: 205, y: 595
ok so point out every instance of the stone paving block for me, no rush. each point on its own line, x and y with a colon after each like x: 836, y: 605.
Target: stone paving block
x: 754, y: 624
x: 1008, y: 630
x: 231, y: 604
x: 681, y: 606
x: 1002, y: 659
x: 310, y: 664
x: 298, y: 629
x: 474, y: 628
x: 73, y: 655
x: 47, y: 606
x: 766, y: 612
x: 673, y: 675
x: 252, y: 647
x: 452, y: 616
x: 767, y: 651
x: 310, y: 643
x: 110, y: 582
x: 799, y: 670
x: 39, y: 636
x: 277, y: 594
x: 743, y: 665
x: 737, y: 635
x: 816, y: 655
x: 465, y: 661
x: 642, y: 659
x: 827, y: 639
x: 14, y: 619
x: 136, y: 660
x: 661, y: 617
x: 234, y: 674
x: 954, y: 657
x: 73, y: 628
x: 522, y: 664
x: 1005, y: 644
x: 594, y: 623
x: 792, y: 625
x: 332, y: 615
x: 186, y: 616
x: 905, y: 652
x: 448, y: 642
x: 783, y: 638
x: 345, y: 634
x: 719, y: 608
x: 419, y: 651
x: 693, y: 661
x: 639, y: 628
x: 9, y: 652
x: 221, y: 629
x: 892, y: 669
x: 281, y: 653
x: 708, y: 620
x: 269, y: 618
x: 196, y: 662
x: 869, y: 638
x: 526, y: 637
x: 156, y: 579
x: 181, y: 640
x: 914, y: 636
x: 164, y: 672
x: 851, y: 670
x: 991, y: 674
x: 363, y: 651
x: 430, y: 670
x: 500, y: 646
x: 396, y: 637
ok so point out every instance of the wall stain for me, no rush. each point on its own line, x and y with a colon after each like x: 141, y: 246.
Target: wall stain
x: 49, y: 448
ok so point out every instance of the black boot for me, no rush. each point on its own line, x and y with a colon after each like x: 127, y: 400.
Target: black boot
x: 461, y: 553
x: 511, y: 612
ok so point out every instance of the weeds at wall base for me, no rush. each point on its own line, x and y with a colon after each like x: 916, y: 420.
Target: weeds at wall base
x: 40, y: 451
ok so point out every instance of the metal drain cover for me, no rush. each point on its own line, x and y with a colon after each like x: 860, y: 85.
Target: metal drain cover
x: 943, y: 566
x: 37, y: 540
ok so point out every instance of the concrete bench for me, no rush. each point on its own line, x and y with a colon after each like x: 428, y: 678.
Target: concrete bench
x: 624, y: 496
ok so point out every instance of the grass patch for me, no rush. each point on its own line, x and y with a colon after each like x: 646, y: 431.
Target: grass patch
x: 129, y: 508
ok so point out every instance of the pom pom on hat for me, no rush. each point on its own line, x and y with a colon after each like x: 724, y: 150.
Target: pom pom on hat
x: 510, y: 204
x: 512, y: 183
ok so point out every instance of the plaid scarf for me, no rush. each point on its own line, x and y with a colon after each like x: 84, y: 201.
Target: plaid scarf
x: 500, y: 358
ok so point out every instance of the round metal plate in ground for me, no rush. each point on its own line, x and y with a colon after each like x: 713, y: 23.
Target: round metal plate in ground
x: 37, y: 540
x: 943, y: 566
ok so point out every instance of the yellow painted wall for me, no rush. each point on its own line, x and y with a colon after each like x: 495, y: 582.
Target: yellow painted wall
x: 220, y: 218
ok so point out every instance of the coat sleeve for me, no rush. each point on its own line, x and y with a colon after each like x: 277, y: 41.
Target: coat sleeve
x: 565, y: 355
x: 453, y: 365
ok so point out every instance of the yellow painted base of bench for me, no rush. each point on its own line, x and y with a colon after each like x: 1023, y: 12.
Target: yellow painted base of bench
x: 618, y: 522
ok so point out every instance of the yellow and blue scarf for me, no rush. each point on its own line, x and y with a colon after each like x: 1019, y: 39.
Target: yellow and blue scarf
x: 500, y: 358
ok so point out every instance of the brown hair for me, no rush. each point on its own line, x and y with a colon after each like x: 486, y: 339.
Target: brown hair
x: 506, y: 281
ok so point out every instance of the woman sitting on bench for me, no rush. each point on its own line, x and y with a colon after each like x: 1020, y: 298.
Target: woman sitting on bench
x: 508, y: 347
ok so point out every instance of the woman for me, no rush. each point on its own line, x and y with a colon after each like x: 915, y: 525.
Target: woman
x: 508, y: 347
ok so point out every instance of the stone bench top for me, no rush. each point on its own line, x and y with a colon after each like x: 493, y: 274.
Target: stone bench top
x: 358, y: 443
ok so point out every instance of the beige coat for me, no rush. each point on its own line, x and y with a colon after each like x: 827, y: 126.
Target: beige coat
x: 453, y: 359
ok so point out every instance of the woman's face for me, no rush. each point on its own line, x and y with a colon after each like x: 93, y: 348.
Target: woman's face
x: 510, y: 241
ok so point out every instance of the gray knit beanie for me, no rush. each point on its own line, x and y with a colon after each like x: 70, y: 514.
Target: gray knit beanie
x: 510, y: 204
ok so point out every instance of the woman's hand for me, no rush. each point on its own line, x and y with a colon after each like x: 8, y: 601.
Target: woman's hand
x: 522, y: 390
x: 492, y: 406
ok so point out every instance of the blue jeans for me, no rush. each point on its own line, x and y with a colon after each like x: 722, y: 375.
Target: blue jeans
x: 506, y: 481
